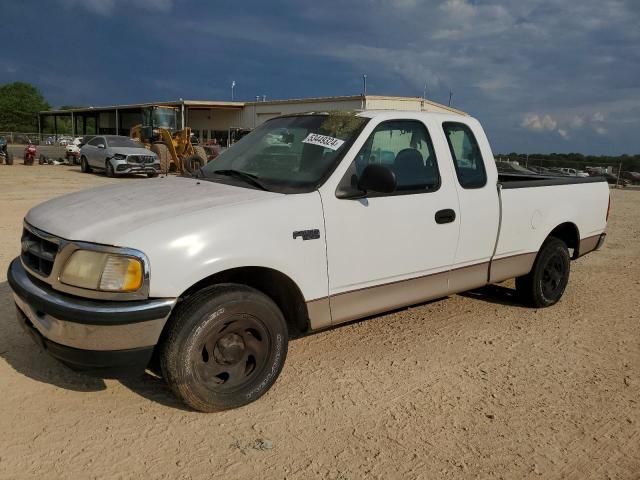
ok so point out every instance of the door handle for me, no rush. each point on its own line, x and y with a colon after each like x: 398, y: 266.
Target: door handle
x: 445, y: 216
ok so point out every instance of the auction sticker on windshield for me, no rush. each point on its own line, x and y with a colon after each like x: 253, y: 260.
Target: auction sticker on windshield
x: 323, y: 141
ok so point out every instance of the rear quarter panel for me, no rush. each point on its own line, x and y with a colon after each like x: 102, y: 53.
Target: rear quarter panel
x: 530, y: 214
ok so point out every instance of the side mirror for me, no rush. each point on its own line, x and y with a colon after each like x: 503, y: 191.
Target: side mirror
x: 377, y: 178
x: 101, y: 145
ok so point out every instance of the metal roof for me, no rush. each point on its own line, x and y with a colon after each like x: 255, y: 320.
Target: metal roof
x: 239, y: 105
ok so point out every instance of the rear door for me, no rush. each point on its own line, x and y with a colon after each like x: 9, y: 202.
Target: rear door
x: 476, y: 185
x: 390, y: 250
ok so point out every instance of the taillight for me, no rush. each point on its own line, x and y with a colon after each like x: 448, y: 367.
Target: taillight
x: 608, y: 208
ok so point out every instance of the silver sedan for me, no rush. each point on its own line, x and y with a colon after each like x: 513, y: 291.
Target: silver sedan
x: 118, y: 155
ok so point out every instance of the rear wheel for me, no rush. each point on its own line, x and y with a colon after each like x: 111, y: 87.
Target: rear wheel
x: 9, y: 159
x: 84, y: 165
x: 224, y: 347
x: 193, y: 163
x: 546, y: 282
x: 162, y: 151
x: 201, y: 152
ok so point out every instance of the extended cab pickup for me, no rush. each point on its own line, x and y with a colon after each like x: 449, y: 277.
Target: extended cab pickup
x: 308, y: 222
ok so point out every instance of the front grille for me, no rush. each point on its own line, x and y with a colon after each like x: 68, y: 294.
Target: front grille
x: 38, y: 253
x: 141, y: 158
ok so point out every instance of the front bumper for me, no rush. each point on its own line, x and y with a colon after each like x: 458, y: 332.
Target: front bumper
x: 111, y: 336
x: 124, y: 167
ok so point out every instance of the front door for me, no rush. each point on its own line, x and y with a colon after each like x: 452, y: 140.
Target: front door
x: 388, y: 250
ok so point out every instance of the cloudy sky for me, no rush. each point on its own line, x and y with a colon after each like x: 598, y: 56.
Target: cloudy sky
x: 542, y: 75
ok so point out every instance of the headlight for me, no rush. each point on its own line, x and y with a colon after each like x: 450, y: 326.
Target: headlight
x: 102, y: 271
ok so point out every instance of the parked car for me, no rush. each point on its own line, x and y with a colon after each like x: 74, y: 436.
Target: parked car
x: 573, y: 172
x: 509, y: 167
x: 118, y: 155
x: 613, y: 179
x: 212, y: 275
x: 539, y: 170
x: 632, y: 177
x: 72, y: 151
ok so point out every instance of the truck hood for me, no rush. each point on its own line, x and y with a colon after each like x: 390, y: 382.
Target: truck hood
x: 105, y: 214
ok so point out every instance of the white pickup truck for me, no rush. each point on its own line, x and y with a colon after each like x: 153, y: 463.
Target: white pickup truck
x: 310, y: 221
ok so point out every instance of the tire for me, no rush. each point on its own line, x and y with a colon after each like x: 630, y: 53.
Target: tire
x: 108, y: 169
x: 202, y: 153
x: 162, y: 151
x: 42, y: 160
x: 192, y: 164
x: 152, y: 175
x: 545, y: 284
x: 9, y: 159
x: 84, y: 165
x: 224, y: 347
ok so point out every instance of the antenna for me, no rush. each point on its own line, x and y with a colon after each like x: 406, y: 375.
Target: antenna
x: 233, y: 86
x: 424, y: 91
x: 364, y: 84
x: 450, y: 95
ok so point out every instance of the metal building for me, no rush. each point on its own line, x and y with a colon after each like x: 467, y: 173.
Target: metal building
x: 213, y: 119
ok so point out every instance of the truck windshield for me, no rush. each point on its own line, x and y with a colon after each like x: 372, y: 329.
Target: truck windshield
x: 164, y: 118
x: 293, y: 154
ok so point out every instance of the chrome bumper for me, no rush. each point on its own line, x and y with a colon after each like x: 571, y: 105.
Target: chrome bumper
x: 123, y: 167
x: 85, y: 324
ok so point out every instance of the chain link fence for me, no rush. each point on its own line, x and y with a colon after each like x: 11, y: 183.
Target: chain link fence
x: 25, y: 138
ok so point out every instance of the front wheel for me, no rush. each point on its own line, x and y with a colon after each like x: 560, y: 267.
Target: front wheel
x: 109, y: 169
x: 224, y: 347
x: 545, y: 284
x: 84, y: 165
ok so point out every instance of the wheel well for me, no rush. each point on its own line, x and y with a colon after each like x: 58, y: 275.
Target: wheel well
x: 568, y: 233
x: 274, y: 284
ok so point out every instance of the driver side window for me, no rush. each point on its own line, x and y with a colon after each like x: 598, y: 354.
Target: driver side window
x: 403, y: 146
x: 94, y: 142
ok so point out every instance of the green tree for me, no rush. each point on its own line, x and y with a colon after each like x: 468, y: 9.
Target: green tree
x: 20, y: 103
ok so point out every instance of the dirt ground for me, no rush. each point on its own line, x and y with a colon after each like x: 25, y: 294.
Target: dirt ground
x: 472, y: 386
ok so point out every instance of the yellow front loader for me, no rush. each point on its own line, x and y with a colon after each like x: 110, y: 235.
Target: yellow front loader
x: 159, y: 133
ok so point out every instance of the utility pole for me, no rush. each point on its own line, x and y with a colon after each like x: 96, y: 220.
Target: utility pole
x: 233, y: 86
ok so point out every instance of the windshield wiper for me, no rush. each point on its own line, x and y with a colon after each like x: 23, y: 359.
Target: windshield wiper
x: 247, y: 177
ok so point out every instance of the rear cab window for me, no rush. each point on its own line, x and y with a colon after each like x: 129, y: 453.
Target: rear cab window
x: 466, y: 155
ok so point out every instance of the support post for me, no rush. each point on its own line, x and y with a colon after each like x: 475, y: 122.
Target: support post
x: 117, y: 123
x: 73, y: 126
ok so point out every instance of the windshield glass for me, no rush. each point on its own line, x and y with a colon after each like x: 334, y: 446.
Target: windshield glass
x: 164, y: 118
x: 123, y: 142
x: 291, y: 154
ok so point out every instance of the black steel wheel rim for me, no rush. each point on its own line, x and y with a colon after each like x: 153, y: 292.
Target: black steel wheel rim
x: 552, y: 276
x: 232, y: 354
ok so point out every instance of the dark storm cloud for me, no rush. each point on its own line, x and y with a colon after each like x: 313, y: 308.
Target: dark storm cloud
x: 544, y: 75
